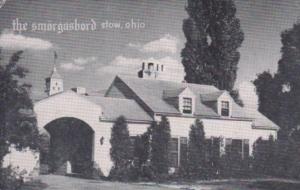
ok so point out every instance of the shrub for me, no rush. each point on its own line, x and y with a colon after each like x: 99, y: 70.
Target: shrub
x: 196, y: 162
x: 160, y: 138
x: 9, y: 179
x: 119, y: 152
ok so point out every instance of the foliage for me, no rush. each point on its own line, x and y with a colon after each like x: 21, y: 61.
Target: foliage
x: 120, y: 144
x: 279, y: 94
x: 17, y: 119
x: 213, y: 36
x: 141, y: 156
x: 279, y: 100
x: 279, y: 158
x: 196, y: 162
x: 160, y: 138
x: 9, y: 179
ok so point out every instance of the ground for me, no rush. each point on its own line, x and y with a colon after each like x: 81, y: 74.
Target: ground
x: 54, y: 182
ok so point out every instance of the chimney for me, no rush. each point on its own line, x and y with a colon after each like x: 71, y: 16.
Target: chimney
x: 79, y: 90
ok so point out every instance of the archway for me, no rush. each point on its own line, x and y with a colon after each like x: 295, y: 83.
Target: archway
x: 70, y: 147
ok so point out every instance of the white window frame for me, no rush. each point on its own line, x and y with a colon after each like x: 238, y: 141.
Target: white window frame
x: 187, y: 102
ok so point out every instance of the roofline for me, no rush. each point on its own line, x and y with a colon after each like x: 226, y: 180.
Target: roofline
x: 140, y: 99
x: 204, y: 116
x: 128, y: 120
x: 266, y: 128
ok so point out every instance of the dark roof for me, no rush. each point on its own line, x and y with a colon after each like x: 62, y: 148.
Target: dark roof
x: 112, y: 108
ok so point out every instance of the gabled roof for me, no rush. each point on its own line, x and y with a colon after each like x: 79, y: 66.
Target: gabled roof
x: 112, y: 108
x: 153, y: 92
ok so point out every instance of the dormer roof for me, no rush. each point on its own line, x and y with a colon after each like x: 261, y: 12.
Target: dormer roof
x: 211, y: 97
x: 172, y: 93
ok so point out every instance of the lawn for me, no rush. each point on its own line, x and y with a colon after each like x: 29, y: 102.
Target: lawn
x: 52, y: 182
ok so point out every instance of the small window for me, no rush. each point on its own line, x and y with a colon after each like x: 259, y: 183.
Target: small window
x: 225, y: 108
x: 187, y: 105
x: 150, y: 66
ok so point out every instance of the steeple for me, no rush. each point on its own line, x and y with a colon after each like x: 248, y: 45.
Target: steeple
x: 54, y: 83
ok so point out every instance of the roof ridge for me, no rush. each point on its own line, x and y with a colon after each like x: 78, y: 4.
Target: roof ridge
x: 167, y: 81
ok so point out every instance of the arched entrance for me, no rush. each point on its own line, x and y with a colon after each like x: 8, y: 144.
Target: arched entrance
x: 70, y: 147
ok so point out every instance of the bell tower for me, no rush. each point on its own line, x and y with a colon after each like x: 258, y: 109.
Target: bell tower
x: 54, y: 83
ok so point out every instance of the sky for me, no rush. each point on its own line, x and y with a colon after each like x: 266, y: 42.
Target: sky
x: 151, y: 31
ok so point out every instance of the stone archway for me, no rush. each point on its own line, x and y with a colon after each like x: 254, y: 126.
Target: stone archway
x: 70, y: 147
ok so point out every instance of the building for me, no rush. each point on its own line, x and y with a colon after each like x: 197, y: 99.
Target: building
x: 142, y: 100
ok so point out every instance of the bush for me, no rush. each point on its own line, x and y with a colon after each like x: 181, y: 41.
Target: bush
x: 160, y: 138
x: 9, y: 179
x: 196, y: 162
x: 121, y: 157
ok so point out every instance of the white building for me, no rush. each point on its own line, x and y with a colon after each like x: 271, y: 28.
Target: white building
x: 143, y: 100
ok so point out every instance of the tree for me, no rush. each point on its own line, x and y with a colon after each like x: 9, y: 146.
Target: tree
x: 141, y: 155
x: 197, y: 151
x: 213, y: 36
x: 160, y: 138
x: 278, y: 94
x: 119, y: 152
x: 264, y: 153
x: 17, y: 120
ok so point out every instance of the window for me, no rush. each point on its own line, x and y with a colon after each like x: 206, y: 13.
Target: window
x: 225, y: 108
x: 187, y: 105
x: 173, y: 152
x: 132, y: 144
x: 237, y: 148
x: 183, y: 151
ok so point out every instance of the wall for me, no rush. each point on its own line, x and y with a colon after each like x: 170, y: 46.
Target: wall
x: 102, y: 152
x: 219, y: 127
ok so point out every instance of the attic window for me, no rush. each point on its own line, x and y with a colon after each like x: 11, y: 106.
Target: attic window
x: 225, y: 108
x: 187, y: 105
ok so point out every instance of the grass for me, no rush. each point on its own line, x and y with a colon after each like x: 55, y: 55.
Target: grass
x: 52, y: 182
x: 275, y: 185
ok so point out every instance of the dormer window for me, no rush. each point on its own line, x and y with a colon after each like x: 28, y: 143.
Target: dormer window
x: 187, y: 105
x: 225, y: 108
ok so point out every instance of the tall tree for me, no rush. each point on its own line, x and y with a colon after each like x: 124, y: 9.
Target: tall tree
x: 196, y: 151
x: 160, y: 138
x: 213, y: 35
x: 119, y: 152
x: 17, y: 119
x: 279, y: 95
